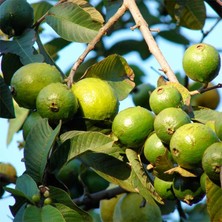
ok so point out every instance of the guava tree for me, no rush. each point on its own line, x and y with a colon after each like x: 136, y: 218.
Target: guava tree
x: 80, y: 152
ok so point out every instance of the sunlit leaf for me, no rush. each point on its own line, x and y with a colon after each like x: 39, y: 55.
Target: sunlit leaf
x: 214, y: 200
x: 6, y: 105
x: 71, y: 215
x: 38, y: 144
x: 204, y: 115
x: 74, y: 21
x: 117, y: 72
x: 16, y: 123
x: 141, y: 174
x: 23, y: 47
x: 190, y: 14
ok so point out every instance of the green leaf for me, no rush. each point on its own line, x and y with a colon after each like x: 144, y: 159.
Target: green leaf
x: 174, y: 36
x: 54, y: 46
x: 88, y: 141
x: 23, y: 47
x: 6, y: 105
x: 38, y: 144
x: 45, y: 214
x: 75, y: 20
x: 127, y: 46
x: 190, y: 14
x: 141, y: 174
x: 203, y: 115
x: 7, y: 69
x: 70, y: 215
x: 63, y: 200
x: 19, y: 214
x: 40, y: 8
x: 110, y: 168
x: 117, y: 72
x: 111, y: 7
x: 16, y: 123
x: 214, y: 200
x: 23, y: 192
x: 26, y: 185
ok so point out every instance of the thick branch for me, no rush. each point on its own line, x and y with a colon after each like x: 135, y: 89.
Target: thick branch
x: 92, y: 200
x: 216, y: 5
x: 147, y: 35
x: 92, y: 44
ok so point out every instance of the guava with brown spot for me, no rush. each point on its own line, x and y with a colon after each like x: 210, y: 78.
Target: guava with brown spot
x: 189, y: 142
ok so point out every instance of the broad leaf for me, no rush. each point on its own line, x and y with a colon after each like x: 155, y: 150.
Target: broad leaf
x: 127, y: 46
x: 112, y: 7
x: 141, y: 174
x: 117, y: 72
x: 19, y: 214
x: 40, y: 8
x: 7, y: 69
x: 61, y: 197
x: 190, y: 14
x: 44, y: 214
x: 174, y: 36
x: 23, y: 47
x: 81, y: 141
x: 110, y: 168
x: 16, y: 123
x: 38, y: 144
x: 70, y: 215
x: 47, y: 57
x: 25, y: 187
x: 204, y: 115
x: 6, y: 105
x: 75, y: 20
x: 23, y: 192
x: 54, y: 46
x: 214, y: 200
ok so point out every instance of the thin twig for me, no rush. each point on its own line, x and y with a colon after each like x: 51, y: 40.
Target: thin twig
x: 203, y: 90
x: 205, y: 34
x: 92, y: 44
x: 152, y: 45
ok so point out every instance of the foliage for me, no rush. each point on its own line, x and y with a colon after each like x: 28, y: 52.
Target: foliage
x: 49, y: 147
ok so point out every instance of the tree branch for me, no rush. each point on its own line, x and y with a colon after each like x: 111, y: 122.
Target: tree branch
x: 205, y: 34
x: 143, y: 27
x: 216, y: 5
x: 92, y: 200
x: 152, y: 45
x: 205, y: 89
x: 92, y: 44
